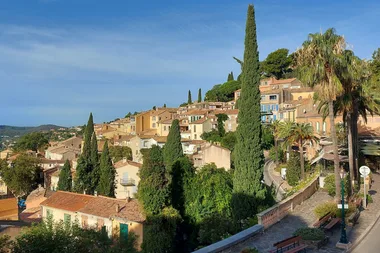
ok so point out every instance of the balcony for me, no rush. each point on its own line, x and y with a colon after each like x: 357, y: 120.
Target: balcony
x: 127, y: 182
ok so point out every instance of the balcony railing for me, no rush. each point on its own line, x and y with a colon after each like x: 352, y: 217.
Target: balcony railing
x: 127, y: 182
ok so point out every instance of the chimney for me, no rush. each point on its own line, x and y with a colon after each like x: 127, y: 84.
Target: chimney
x: 117, y: 208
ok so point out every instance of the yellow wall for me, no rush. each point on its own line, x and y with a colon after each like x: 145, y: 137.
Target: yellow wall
x: 136, y: 228
x: 122, y: 192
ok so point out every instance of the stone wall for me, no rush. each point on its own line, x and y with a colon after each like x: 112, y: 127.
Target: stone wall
x: 277, y: 212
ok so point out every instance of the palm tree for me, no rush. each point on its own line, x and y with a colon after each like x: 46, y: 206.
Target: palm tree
x: 276, y: 133
x: 283, y: 131
x: 300, y: 133
x: 318, y: 62
x: 357, y: 99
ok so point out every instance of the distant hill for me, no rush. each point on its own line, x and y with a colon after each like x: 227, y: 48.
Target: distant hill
x: 13, y: 131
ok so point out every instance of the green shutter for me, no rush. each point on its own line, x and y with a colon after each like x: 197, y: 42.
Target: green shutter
x: 124, y: 231
x: 67, y: 218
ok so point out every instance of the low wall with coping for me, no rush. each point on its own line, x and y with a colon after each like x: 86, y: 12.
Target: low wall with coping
x: 232, y: 240
x: 277, y: 212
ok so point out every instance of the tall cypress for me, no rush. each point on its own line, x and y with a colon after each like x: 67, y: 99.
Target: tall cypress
x: 189, y: 100
x: 94, y: 162
x: 107, y: 171
x: 65, y: 178
x: 249, y: 193
x: 173, y: 147
x: 153, y: 189
x: 199, y: 95
x: 84, y: 178
x: 87, y: 137
x: 232, y: 76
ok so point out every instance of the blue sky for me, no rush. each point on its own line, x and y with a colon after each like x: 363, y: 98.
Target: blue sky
x: 61, y: 59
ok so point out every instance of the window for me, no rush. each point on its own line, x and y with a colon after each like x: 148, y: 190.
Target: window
x: 154, y: 118
x: 281, y: 115
x: 195, y: 136
x: 317, y: 126
x: 272, y: 97
x: 265, y: 83
x: 324, y: 127
x: 84, y: 221
x: 164, y: 128
x: 274, y: 117
x: 67, y: 218
x: 154, y: 125
x: 195, y: 128
x: 169, y: 127
x: 49, y: 213
x: 262, y: 97
x: 159, y: 118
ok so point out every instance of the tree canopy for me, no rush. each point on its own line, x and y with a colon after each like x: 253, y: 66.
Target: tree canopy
x: 117, y: 153
x: 33, y: 141
x: 22, y: 176
x: 223, y: 92
x: 277, y: 63
x: 107, y: 171
x: 173, y: 147
x: 65, y: 178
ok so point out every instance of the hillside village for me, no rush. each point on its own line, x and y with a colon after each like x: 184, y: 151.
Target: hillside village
x: 179, y: 179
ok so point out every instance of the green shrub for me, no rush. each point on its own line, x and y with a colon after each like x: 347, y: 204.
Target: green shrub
x: 249, y: 250
x: 324, y: 208
x: 330, y: 184
x: 293, y: 171
x: 310, y: 234
x: 280, y: 154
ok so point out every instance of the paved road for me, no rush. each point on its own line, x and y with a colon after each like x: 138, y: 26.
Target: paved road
x: 268, y: 180
x: 371, y: 243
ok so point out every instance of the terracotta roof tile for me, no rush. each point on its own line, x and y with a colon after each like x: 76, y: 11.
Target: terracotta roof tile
x: 199, y: 121
x: 123, y: 163
x: 96, y: 205
x: 197, y: 112
x: 282, y: 81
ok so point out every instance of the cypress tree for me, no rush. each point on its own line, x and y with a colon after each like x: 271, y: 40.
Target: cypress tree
x: 94, y: 163
x: 199, y: 95
x: 164, y: 105
x: 153, y: 189
x: 173, y: 147
x: 87, y: 137
x: 232, y: 76
x: 189, y: 100
x: 107, y: 171
x: 221, y: 118
x: 65, y: 179
x: 249, y: 193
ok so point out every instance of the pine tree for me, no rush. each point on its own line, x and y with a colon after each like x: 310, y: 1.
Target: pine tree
x: 249, y: 193
x: 199, y: 95
x: 107, y: 171
x: 189, y: 100
x: 173, y: 147
x: 65, y: 179
x: 153, y: 189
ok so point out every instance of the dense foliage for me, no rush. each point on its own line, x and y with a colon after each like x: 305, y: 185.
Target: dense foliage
x: 221, y: 118
x: 267, y: 137
x: 117, y: 153
x: 107, y: 171
x: 280, y: 154
x: 65, y: 179
x: 173, y: 147
x: 47, y: 237
x: 87, y: 171
x: 293, y: 170
x: 33, y: 141
x: 277, y: 64
x: 223, y: 92
x: 160, y: 232
x: 153, y: 190
x: 249, y: 193
x: 199, y: 95
x: 312, y: 234
x: 22, y: 177
x: 189, y: 99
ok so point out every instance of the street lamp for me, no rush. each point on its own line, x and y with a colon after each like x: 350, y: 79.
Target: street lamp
x: 343, y: 235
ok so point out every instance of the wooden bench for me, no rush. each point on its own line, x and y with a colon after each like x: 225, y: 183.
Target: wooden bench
x: 322, y: 220
x: 331, y: 224
x: 353, y: 219
x: 289, y: 245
